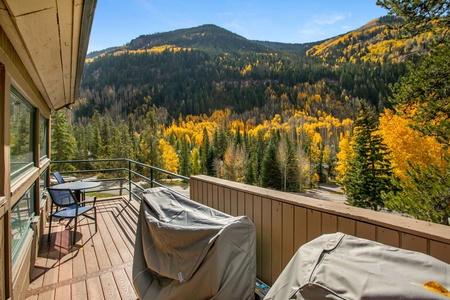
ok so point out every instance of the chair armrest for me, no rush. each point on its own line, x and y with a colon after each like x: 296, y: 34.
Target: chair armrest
x: 82, y: 203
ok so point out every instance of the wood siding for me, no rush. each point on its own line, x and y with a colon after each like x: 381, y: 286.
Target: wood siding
x: 3, y: 279
x: 286, y: 221
x: 15, y: 279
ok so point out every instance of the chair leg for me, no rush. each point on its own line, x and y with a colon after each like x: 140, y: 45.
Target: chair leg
x: 74, y: 231
x: 49, y: 228
x: 68, y: 223
x: 95, y: 217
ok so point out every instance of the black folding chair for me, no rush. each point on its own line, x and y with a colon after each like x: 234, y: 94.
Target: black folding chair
x: 67, y: 207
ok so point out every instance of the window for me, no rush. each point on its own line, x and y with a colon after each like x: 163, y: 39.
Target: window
x: 21, y: 134
x: 43, y: 184
x: 21, y: 216
x: 43, y: 137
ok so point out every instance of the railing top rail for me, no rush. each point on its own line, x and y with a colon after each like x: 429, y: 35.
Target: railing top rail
x: 122, y: 159
x: 87, y: 160
x: 159, y: 170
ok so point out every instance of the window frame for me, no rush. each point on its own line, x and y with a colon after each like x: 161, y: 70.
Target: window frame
x: 28, y: 165
x: 43, y: 184
x: 43, y: 137
x: 24, y: 227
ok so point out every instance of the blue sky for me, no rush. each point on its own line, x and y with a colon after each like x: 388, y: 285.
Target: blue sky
x: 117, y: 22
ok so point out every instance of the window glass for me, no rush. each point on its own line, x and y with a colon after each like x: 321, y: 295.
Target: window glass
x: 21, y: 135
x: 43, y: 137
x: 43, y: 185
x: 21, y: 216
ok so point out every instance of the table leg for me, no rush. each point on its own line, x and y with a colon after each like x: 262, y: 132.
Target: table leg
x: 78, y: 195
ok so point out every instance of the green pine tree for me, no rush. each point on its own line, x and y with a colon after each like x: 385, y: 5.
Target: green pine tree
x: 425, y: 195
x: 370, y: 170
x: 271, y: 176
x: 210, y: 161
x: 287, y: 163
x: 220, y: 142
x: 204, y: 152
x: 185, y: 158
x: 132, y: 137
x: 149, y: 152
x: 293, y: 174
x: 63, y: 141
x: 254, y: 159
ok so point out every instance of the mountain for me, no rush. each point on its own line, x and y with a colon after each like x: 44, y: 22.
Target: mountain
x: 197, y: 70
x: 206, y: 36
x: 94, y: 54
x: 377, y: 41
x: 209, y: 37
x: 300, y: 49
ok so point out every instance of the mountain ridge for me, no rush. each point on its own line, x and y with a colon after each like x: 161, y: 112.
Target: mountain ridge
x: 200, y: 69
x: 373, y: 41
x: 194, y: 36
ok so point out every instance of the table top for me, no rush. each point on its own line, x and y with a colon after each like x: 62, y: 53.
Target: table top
x: 77, y: 185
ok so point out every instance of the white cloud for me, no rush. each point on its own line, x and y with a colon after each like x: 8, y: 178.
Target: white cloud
x: 328, y: 18
x: 319, y: 26
x: 307, y: 32
x: 147, y: 5
x: 346, y: 27
x: 234, y: 26
x: 247, y: 24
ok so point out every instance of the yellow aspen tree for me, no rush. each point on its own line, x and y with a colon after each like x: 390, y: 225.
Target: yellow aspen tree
x: 408, y: 145
x: 169, y: 156
x: 344, y: 156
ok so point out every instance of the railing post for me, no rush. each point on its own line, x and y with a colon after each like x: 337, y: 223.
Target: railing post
x: 151, y: 177
x: 129, y: 179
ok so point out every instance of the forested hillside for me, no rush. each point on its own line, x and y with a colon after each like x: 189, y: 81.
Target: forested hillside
x: 376, y: 42
x: 195, y: 71
x: 285, y: 116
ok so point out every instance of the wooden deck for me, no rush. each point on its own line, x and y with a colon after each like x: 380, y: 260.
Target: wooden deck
x: 97, y: 266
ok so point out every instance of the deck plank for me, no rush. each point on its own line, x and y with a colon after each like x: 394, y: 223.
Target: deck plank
x: 96, y: 266
x: 127, y: 223
x: 111, y: 251
x: 88, y: 249
x: 63, y: 292
x: 79, y: 291
x: 94, y: 289
x: 98, y: 245
x: 117, y: 236
x: 51, y: 274
x: 124, y: 284
x: 50, y: 295
x: 109, y: 286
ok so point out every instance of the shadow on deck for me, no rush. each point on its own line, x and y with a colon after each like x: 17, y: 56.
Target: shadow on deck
x: 97, y: 266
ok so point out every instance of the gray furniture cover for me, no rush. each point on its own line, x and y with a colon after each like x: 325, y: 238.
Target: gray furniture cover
x: 339, y: 266
x: 185, y: 250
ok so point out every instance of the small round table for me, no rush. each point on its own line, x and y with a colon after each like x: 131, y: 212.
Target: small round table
x: 77, y: 186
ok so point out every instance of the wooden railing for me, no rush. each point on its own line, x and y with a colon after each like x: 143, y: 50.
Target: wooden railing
x: 286, y: 221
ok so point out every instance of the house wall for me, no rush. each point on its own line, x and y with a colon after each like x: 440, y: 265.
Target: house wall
x: 14, y: 278
x: 285, y: 221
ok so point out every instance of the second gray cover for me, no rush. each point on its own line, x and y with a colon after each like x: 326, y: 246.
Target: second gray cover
x: 340, y: 266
